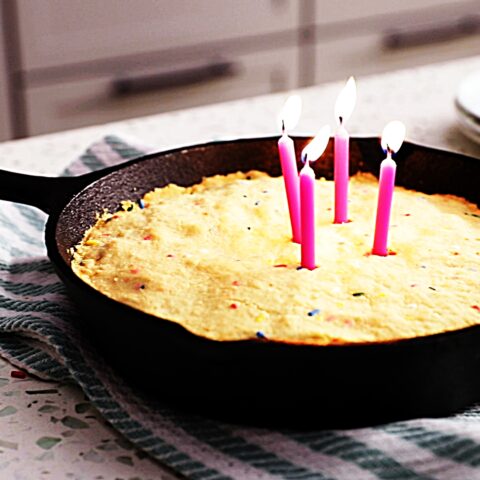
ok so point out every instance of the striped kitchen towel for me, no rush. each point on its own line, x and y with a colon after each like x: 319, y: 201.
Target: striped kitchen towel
x: 38, y: 332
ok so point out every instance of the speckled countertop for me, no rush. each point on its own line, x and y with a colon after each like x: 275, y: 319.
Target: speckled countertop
x: 49, y: 430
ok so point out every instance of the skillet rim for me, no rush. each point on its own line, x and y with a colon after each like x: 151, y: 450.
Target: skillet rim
x: 86, y: 181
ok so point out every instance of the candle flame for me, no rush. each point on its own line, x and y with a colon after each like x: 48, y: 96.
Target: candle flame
x: 290, y: 113
x: 393, y: 136
x: 317, y: 146
x: 346, y: 101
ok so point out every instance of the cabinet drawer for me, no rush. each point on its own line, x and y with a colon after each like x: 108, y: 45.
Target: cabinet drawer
x: 75, y: 104
x: 390, y: 12
x: 56, y: 32
x: 366, y: 54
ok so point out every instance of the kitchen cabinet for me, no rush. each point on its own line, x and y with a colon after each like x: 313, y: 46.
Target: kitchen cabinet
x: 72, y: 63
x: 58, y: 32
x: 94, y: 100
x: 380, y: 35
x: 366, y: 54
x: 85, y: 62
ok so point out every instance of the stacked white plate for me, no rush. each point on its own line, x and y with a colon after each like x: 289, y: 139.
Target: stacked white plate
x: 467, y: 104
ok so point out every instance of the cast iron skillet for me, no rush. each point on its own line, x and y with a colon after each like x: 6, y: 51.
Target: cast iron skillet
x: 260, y: 381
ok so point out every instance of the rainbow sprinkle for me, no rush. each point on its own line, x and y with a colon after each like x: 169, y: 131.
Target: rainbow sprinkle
x: 313, y: 312
x: 111, y: 218
x: 261, y: 335
x: 92, y: 243
x: 141, y: 203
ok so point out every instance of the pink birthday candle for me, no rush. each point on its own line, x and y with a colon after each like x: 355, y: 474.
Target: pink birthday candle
x: 307, y: 201
x: 384, y: 207
x: 288, y: 162
x: 289, y: 117
x: 307, y: 196
x: 340, y: 174
x: 392, y: 139
x: 343, y: 109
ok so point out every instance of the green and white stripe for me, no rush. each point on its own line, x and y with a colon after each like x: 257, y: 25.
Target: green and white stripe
x: 301, y: 454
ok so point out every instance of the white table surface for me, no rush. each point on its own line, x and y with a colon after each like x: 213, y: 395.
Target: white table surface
x: 88, y: 448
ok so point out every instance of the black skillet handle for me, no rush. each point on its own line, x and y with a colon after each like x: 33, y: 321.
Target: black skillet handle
x: 46, y: 193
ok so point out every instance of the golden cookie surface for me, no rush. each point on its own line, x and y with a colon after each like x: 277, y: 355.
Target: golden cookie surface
x: 218, y: 259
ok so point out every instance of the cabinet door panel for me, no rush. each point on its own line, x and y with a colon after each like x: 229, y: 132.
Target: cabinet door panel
x: 81, y: 103
x: 366, y: 54
x: 55, y: 32
x: 392, y: 13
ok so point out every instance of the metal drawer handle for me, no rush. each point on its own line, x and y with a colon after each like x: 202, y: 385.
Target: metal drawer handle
x: 174, y: 78
x: 397, y: 39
